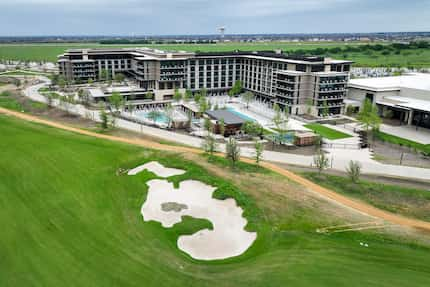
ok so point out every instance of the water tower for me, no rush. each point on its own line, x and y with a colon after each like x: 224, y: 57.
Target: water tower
x: 222, y: 32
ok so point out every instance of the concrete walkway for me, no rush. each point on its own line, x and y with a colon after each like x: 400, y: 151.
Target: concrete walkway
x: 339, y: 158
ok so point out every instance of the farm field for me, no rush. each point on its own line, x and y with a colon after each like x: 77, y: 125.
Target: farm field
x: 405, y: 58
x: 69, y: 218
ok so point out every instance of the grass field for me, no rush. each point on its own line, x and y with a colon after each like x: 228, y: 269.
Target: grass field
x: 409, y: 58
x: 326, y: 132
x: 406, y: 201
x: 68, y: 220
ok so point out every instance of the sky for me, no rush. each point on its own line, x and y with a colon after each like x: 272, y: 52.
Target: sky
x: 186, y: 17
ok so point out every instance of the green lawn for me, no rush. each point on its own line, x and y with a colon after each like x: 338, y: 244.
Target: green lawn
x: 407, y: 58
x: 406, y: 201
x: 403, y: 142
x: 67, y: 219
x: 326, y: 132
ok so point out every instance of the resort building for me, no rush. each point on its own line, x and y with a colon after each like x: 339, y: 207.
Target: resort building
x: 302, y: 84
x: 404, y: 98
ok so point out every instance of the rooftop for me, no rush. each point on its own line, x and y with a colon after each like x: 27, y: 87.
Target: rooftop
x: 417, y: 81
x: 228, y: 117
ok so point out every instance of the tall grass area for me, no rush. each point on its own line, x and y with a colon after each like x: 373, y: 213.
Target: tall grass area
x: 406, y: 201
x: 68, y: 218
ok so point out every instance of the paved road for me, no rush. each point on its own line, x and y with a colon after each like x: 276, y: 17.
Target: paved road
x: 338, y: 198
x: 339, y: 158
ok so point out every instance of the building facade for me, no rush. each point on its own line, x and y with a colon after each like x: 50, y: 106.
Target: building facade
x: 404, y: 98
x: 313, y: 85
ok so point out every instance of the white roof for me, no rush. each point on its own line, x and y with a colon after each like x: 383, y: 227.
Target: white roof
x: 409, y: 103
x: 417, y: 81
x: 96, y: 93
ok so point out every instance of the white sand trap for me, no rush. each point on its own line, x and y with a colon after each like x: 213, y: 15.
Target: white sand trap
x: 156, y: 168
x: 228, y: 237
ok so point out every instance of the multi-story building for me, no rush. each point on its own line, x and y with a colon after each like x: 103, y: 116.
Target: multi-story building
x: 298, y: 83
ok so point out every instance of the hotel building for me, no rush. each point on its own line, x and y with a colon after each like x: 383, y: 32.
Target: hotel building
x: 297, y: 83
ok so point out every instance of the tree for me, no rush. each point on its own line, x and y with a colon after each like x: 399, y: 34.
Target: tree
x: 232, y: 151
x: 90, y: 81
x: 197, y: 97
x: 354, y: 171
x: 119, y: 77
x: 252, y: 128
x: 237, y: 88
x: 207, y: 124
x: 203, y: 105
x: 259, y: 148
x: 188, y: 95
x: 177, y: 96
x: 169, y: 114
x: 104, y: 75
x: 325, y: 109
x: 62, y: 82
x: 149, y: 95
x: 116, y: 102
x: 204, y: 93
x: 369, y: 117
x: 221, y: 125
x: 104, y: 119
x: 81, y: 94
x: 248, y: 97
x: 321, y: 161
x: 309, y: 105
x: 210, y: 145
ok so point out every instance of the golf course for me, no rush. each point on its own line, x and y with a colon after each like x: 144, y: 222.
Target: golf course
x: 70, y: 216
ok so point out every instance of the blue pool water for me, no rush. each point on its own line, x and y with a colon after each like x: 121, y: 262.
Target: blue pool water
x: 161, y: 119
x: 245, y: 117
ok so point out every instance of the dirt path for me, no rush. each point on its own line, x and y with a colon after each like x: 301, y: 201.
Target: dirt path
x: 358, y: 206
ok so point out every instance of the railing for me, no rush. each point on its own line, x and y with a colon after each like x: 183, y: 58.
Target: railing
x: 341, y: 146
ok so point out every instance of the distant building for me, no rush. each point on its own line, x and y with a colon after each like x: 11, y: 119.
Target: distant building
x: 292, y: 82
x: 407, y: 96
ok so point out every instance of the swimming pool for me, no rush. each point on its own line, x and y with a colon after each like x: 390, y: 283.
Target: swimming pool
x: 245, y: 117
x: 160, y: 119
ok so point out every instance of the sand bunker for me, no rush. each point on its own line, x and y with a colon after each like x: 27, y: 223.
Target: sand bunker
x: 228, y: 237
x: 156, y: 168
x: 168, y: 205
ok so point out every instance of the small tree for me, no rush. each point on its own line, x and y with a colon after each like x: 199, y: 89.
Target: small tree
x: 204, y: 93
x: 119, y: 77
x: 207, y: 124
x: 221, y: 125
x: 62, y: 82
x: 90, y: 81
x: 203, y: 105
x: 232, y: 151
x: 104, y: 119
x: 349, y: 110
x: 248, y: 97
x: 309, y: 104
x: 237, y: 88
x: 369, y: 117
x: 116, y: 101
x: 325, y: 109
x: 197, y: 97
x: 210, y: 145
x: 177, y: 96
x: 188, y: 95
x: 259, y: 149
x: 321, y: 161
x: 149, y: 95
x: 169, y: 114
x: 354, y: 171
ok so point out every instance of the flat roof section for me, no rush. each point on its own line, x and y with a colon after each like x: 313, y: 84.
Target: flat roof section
x: 228, y: 117
x: 417, y: 81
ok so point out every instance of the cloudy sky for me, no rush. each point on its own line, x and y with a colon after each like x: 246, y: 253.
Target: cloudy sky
x: 154, y: 17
